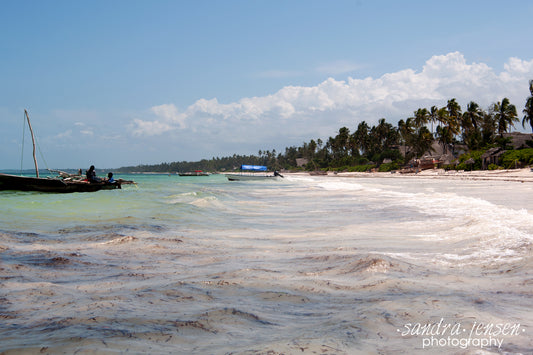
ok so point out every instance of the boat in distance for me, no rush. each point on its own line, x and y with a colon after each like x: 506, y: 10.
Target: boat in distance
x: 194, y: 173
x: 253, y: 173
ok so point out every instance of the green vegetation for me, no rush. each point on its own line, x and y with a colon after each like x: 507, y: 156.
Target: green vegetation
x: 215, y: 164
x: 494, y: 167
x: 386, y: 147
x: 517, y: 158
x: 470, y: 160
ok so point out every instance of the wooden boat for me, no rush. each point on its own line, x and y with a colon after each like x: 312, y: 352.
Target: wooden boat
x: 49, y: 184
x: 28, y: 183
x: 194, y: 173
x: 253, y: 173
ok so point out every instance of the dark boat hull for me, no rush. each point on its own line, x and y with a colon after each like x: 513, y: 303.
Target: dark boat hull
x: 26, y: 183
x: 250, y: 177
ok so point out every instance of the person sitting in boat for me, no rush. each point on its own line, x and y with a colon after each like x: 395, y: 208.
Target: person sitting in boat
x: 110, y: 178
x: 91, y: 175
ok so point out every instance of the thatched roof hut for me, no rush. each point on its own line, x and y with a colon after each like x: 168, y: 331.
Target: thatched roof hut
x: 491, y: 156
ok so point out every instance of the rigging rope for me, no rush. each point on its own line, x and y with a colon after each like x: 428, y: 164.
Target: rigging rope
x: 42, y: 156
x: 23, y: 134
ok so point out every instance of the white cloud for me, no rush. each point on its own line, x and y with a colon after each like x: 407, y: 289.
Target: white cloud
x: 170, y: 113
x: 167, y: 118
x: 518, y: 66
x: 318, y: 111
x: 150, y: 128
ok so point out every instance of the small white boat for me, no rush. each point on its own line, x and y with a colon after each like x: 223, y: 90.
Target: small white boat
x: 253, y: 173
x: 194, y: 173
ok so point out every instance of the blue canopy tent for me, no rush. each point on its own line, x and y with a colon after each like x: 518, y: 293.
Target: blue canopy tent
x: 254, y: 167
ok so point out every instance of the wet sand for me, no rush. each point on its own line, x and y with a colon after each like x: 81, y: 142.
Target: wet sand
x: 345, y: 264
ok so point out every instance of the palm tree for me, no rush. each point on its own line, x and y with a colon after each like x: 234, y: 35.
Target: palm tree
x: 422, y: 138
x: 343, y: 140
x: 443, y: 137
x: 421, y: 117
x: 386, y: 135
x: 454, y: 115
x: 528, y: 110
x: 340, y: 144
x: 423, y: 141
x: 433, y: 116
x: 361, y: 138
x: 446, y: 129
x: 470, y: 122
x: 406, y: 131
x: 474, y: 114
x: 311, y: 149
x: 383, y: 131
x: 488, y: 126
x: 505, y: 115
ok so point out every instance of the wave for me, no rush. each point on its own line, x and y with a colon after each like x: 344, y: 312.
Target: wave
x: 354, y: 264
x: 341, y: 186
x: 472, y: 230
x: 464, y: 226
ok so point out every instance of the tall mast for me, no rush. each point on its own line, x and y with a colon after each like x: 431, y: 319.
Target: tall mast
x: 33, y: 141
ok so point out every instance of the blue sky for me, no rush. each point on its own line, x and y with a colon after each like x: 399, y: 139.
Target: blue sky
x: 116, y: 83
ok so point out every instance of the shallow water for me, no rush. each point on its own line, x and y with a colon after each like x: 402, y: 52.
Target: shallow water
x: 325, y: 265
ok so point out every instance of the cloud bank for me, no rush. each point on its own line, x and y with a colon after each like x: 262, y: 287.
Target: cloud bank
x: 297, y: 112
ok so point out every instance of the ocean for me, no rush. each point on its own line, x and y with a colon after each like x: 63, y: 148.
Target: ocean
x: 304, y: 265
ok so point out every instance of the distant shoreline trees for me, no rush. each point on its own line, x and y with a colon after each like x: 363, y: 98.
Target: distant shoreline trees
x: 383, y: 143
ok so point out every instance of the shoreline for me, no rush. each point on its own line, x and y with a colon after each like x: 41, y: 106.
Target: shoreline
x: 513, y: 175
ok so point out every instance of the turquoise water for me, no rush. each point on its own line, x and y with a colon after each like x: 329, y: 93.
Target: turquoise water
x: 303, y: 265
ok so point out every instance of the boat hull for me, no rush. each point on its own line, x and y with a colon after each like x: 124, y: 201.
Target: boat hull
x: 250, y: 177
x: 26, y: 183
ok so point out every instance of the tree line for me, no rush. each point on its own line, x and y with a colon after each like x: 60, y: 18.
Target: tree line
x: 371, y: 146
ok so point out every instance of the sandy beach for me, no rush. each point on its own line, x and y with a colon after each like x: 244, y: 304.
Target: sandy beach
x: 517, y: 175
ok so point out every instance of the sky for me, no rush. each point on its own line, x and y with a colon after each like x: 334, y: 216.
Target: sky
x: 128, y: 82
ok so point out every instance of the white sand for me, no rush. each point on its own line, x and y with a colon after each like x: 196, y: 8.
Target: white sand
x: 518, y: 175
